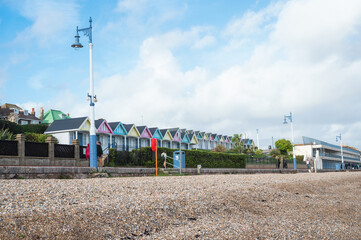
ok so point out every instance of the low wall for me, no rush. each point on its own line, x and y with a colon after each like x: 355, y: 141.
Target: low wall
x: 32, y: 172
x: 20, y: 172
x: 41, y: 161
x: 273, y: 166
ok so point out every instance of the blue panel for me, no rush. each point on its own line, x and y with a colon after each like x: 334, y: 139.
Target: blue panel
x: 93, y: 151
x: 80, y: 138
x: 157, y: 135
x: 120, y: 130
x: 176, y: 162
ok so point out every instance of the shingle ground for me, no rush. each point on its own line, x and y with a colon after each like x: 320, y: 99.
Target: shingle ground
x: 260, y: 206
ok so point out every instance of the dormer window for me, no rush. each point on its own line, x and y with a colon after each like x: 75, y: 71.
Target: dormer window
x: 26, y: 112
x: 16, y: 111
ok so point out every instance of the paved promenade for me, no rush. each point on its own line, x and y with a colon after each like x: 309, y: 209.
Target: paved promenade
x: 258, y: 206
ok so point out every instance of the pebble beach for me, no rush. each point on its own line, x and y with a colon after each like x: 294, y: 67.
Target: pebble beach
x: 259, y: 206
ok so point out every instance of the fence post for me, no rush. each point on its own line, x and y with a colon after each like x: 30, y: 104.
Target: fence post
x: 51, y: 141
x: 21, y: 149
x: 75, y: 142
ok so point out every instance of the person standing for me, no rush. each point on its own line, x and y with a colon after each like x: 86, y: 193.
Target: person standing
x: 278, y: 162
x: 308, y: 165
x: 99, y: 153
x: 87, y: 152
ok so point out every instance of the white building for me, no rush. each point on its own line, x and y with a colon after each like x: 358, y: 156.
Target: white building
x: 326, y: 155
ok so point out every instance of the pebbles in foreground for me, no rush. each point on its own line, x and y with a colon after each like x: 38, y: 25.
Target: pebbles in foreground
x: 262, y: 206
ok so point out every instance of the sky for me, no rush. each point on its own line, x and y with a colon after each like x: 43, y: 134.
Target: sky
x: 219, y: 66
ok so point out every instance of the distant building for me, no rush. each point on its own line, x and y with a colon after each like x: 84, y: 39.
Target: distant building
x: 127, y: 137
x: 14, y: 113
x: 248, y: 143
x: 52, y: 115
x: 326, y: 155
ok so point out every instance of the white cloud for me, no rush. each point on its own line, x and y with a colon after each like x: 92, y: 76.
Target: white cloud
x: 206, y: 41
x: 49, y: 19
x: 299, y: 61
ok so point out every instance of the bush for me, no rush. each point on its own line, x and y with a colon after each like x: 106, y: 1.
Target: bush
x: 37, y: 137
x: 13, y: 127
x: 6, y: 135
x: 144, y: 157
x: 220, y: 148
x: 34, y: 128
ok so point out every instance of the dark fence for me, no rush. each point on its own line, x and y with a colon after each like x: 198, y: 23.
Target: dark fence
x: 270, y: 162
x: 33, y: 149
x: 82, y: 151
x: 9, y: 148
x: 63, y: 151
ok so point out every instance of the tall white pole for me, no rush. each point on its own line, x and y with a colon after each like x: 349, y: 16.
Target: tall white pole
x: 293, y: 149
x: 257, y: 139
x: 343, y: 164
x: 93, y: 147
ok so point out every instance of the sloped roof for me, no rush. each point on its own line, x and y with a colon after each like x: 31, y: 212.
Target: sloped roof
x: 128, y: 126
x: 155, y: 131
x: 141, y: 129
x: 163, y: 131
x: 117, y: 128
x: 113, y: 125
x: 9, y: 105
x: 52, y: 115
x: 102, y: 126
x: 66, y: 124
x: 173, y: 132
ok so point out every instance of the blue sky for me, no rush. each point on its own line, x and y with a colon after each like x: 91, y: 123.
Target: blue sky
x: 219, y: 66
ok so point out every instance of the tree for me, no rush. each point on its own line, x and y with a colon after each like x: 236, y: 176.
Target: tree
x: 275, y: 152
x: 284, y: 146
x: 236, y: 139
x: 220, y: 148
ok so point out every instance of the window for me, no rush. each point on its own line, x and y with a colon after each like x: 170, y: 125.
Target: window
x: 22, y: 122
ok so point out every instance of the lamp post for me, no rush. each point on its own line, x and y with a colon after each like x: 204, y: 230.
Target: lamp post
x: 91, y: 97
x: 338, y: 138
x: 289, y: 118
x: 257, y: 139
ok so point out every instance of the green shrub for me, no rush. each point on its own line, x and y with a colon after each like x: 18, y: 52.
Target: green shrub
x: 6, y: 135
x: 144, y: 157
x: 37, y: 137
x: 34, y: 128
x: 220, y: 148
x: 13, y: 127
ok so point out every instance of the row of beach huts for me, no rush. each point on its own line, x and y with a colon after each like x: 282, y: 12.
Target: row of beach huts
x: 126, y: 137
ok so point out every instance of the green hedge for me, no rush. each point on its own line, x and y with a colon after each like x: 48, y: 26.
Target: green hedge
x: 17, y: 128
x: 34, y: 128
x: 13, y: 127
x: 144, y: 157
x: 37, y: 137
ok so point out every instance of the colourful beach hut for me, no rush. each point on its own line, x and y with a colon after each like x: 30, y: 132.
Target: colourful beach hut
x: 167, y: 138
x: 145, y: 136
x: 65, y: 130
x: 119, y: 136
x: 175, y: 132
x: 132, y: 141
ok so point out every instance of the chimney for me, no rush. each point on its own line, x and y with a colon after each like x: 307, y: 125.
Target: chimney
x: 33, y: 111
x: 41, y: 114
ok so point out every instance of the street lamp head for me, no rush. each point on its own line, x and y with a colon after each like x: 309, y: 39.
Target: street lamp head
x: 77, y: 44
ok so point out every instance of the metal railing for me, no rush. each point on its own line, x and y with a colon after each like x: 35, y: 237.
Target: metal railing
x: 64, y: 151
x: 8, y: 148
x: 33, y: 149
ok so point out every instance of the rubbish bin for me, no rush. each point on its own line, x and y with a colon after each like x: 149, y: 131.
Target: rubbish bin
x: 179, y: 163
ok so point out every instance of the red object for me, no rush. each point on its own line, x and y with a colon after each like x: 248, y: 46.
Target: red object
x: 154, y: 144
x: 87, y: 152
